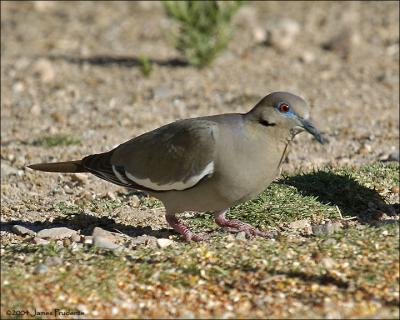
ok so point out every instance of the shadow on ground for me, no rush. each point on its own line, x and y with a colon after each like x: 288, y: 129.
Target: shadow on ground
x: 352, y: 198
x: 124, y: 61
x: 86, y: 223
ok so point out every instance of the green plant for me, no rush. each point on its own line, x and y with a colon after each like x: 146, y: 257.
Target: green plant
x: 204, y: 27
x: 145, y: 66
x: 55, y: 140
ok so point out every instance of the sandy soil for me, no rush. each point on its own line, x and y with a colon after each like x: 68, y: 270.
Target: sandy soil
x: 72, y: 68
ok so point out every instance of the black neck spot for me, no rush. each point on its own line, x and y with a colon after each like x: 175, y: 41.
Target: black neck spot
x: 267, y: 124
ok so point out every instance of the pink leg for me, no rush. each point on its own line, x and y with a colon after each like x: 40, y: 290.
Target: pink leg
x: 237, y: 226
x: 182, y: 229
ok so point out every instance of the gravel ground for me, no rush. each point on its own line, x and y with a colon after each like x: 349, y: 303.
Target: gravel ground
x: 72, y: 69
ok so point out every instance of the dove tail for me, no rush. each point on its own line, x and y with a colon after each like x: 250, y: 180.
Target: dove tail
x: 68, y: 166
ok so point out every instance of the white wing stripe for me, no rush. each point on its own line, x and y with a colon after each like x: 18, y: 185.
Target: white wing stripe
x: 119, y: 176
x: 177, y: 185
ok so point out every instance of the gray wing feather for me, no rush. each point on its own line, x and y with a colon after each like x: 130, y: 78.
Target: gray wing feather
x: 175, y: 152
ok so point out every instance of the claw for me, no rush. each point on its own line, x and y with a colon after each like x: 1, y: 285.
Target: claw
x: 197, y: 237
x: 238, y: 226
x: 184, y: 230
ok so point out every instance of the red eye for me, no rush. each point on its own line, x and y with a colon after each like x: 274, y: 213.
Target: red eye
x: 284, y: 107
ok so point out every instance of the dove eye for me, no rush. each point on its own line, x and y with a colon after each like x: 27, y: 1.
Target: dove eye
x: 283, y: 107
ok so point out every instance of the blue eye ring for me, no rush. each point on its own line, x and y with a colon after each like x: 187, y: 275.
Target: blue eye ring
x: 283, y: 107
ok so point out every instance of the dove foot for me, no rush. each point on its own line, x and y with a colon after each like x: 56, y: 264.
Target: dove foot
x: 184, y: 230
x: 238, y: 226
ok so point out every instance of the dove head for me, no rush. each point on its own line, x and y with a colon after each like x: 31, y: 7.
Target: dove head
x: 283, y: 110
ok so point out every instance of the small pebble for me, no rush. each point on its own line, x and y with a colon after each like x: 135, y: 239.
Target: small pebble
x: 342, y: 43
x: 7, y: 170
x: 44, y: 6
x: 76, y: 246
x: 299, y: 224
x: 76, y: 237
x: 57, y: 117
x: 325, y: 229
x: 241, y: 236
x: 134, y: 201
x: 282, y: 33
x: 51, y: 261
x: 40, y: 241
x: 41, y: 268
x: 44, y: 69
x: 328, y: 262
x: 164, y: 243
x: 88, y: 240
x: 188, y: 315
x: 36, y: 110
x: 18, y: 87
x: 144, y: 240
x: 259, y: 35
x: 81, y: 178
x: 162, y: 92
x: 110, y: 195
x: 60, y: 243
x: 395, y: 189
x: 330, y: 242
x: 365, y: 149
x: 307, y: 57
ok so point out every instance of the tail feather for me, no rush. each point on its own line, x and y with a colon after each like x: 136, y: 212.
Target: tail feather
x: 68, y: 166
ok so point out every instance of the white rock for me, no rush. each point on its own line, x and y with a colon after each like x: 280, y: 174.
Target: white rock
x: 19, y: 87
x: 281, y: 33
x: 104, y: 243
x: 44, y: 6
x: 326, y: 229
x: 328, y: 262
x: 241, y: 236
x: 40, y: 241
x: 134, y: 201
x: 162, y: 92
x: 88, y: 240
x: 76, y: 238
x: 23, y: 231
x: 164, y: 243
x: 259, y: 34
x: 7, y: 170
x: 51, y: 261
x: 101, y: 232
x: 140, y: 240
x: 44, y: 68
x: 307, y: 57
x: 56, y: 233
x: 36, y: 110
x: 301, y: 225
x: 81, y: 178
x: 41, y: 268
x: 104, y: 239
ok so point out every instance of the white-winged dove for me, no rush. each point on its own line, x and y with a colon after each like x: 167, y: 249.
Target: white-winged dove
x: 204, y: 164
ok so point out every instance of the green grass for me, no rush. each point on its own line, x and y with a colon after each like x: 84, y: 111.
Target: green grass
x: 56, y: 140
x: 146, y: 66
x: 315, y: 196
x: 97, y: 206
x: 204, y: 27
x: 353, y: 272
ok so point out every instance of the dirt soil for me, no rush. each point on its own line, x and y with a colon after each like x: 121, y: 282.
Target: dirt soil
x: 73, y: 69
